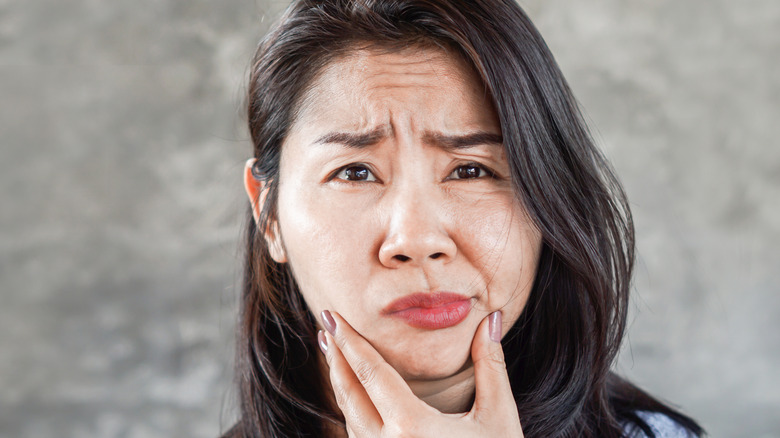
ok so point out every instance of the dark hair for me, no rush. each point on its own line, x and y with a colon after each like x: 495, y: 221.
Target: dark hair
x: 560, y: 350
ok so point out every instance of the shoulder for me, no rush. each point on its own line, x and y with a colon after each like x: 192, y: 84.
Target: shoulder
x: 661, y: 425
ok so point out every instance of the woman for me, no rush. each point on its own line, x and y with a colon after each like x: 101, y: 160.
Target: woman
x: 422, y: 181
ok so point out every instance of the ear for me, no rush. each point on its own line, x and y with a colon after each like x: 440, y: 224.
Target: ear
x: 257, y: 192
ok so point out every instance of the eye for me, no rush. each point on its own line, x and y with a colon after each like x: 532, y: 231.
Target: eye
x: 470, y: 171
x: 355, y: 173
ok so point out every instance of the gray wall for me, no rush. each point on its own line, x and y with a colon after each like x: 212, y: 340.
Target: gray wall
x: 122, y: 146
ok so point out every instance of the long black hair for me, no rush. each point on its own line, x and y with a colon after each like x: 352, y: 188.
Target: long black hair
x: 560, y: 350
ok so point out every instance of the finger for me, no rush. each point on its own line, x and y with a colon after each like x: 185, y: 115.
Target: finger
x: 388, y: 391
x: 360, y: 414
x: 493, y: 394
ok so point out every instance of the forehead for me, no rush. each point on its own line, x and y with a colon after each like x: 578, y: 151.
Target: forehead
x: 376, y: 81
x: 415, y: 65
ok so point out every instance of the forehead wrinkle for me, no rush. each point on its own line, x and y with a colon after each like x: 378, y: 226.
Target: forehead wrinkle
x: 397, y: 65
x: 399, y: 87
x: 388, y: 79
x: 399, y: 59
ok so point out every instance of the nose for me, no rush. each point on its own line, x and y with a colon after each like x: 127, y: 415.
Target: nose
x: 417, y: 232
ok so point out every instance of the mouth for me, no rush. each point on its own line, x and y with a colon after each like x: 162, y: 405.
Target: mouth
x: 430, y: 311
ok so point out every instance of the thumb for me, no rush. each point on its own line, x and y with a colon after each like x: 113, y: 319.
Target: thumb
x: 493, y: 394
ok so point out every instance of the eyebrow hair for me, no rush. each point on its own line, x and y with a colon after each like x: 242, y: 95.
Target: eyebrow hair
x: 352, y: 139
x: 464, y: 141
x: 362, y: 140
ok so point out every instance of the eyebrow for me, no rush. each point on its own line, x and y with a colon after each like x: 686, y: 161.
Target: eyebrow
x: 363, y: 140
x: 352, y: 139
x: 464, y: 141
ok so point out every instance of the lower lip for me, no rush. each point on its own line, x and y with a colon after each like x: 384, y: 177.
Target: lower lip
x: 446, y: 315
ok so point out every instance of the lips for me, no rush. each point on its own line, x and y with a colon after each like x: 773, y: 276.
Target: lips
x: 430, y: 310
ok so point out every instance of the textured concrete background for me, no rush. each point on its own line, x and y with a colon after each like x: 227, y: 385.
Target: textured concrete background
x: 122, y: 147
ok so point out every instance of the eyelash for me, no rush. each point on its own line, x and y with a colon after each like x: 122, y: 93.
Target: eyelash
x: 363, y: 167
x: 488, y: 173
x: 360, y: 166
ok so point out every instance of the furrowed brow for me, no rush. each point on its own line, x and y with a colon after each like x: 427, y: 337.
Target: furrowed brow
x: 465, y: 141
x: 352, y: 139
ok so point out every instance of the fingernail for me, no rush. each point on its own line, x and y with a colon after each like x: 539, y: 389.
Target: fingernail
x: 323, y: 341
x: 329, y: 322
x: 495, y: 326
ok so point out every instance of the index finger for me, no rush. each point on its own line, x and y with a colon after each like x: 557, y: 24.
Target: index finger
x: 387, y: 390
x: 359, y: 411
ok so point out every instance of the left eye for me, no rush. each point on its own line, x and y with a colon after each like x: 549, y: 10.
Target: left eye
x: 469, y: 171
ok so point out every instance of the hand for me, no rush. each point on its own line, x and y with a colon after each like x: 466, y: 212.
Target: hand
x: 377, y: 402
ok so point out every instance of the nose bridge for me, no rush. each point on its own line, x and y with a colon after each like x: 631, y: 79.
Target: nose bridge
x: 414, y: 206
x: 416, y: 230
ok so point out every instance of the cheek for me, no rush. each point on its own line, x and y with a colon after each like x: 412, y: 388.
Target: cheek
x: 503, y: 245
x: 323, y: 240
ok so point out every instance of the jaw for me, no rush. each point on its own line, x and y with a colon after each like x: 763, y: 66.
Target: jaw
x: 453, y: 394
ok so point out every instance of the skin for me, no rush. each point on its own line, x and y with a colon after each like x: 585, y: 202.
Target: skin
x: 404, y: 212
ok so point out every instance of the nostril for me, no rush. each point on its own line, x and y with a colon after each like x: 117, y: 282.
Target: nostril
x: 401, y: 257
x: 437, y: 255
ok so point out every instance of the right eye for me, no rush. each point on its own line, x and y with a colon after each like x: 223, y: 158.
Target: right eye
x: 355, y: 173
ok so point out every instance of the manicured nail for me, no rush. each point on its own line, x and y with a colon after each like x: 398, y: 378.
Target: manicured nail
x: 329, y: 322
x: 495, y: 326
x: 323, y: 341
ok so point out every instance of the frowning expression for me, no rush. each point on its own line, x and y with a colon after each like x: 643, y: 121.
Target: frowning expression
x: 396, y: 207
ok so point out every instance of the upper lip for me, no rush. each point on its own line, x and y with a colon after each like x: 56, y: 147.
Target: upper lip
x: 423, y: 300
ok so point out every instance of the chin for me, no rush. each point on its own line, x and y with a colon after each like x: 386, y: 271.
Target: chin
x: 427, y: 362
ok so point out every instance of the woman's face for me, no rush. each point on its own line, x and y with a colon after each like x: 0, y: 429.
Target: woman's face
x: 396, y: 209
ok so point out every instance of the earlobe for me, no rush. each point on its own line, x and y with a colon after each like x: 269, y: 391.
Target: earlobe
x: 274, y: 241
x: 257, y: 191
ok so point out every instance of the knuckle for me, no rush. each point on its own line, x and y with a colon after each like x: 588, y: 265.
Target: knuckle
x: 365, y: 372
x: 342, y: 395
x: 405, y: 427
x: 494, y: 362
x: 395, y: 432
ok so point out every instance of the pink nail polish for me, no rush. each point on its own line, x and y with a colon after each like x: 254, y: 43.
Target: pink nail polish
x: 329, y: 322
x: 323, y: 341
x: 495, y: 326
